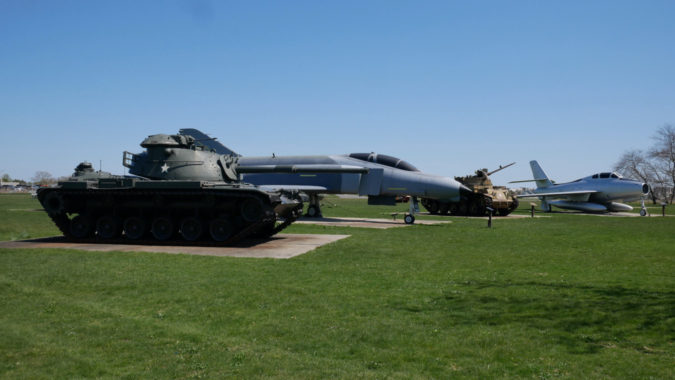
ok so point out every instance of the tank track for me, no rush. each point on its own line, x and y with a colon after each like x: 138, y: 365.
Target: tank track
x: 265, y: 227
x: 474, y: 206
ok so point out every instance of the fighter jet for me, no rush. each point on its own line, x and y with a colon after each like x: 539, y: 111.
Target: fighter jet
x: 386, y: 178
x: 595, y: 193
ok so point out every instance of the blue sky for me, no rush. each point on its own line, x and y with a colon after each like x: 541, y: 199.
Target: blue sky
x: 448, y: 86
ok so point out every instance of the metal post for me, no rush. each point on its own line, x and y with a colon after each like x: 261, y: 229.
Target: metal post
x: 532, y: 210
x: 490, y: 210
x: 663, y: 209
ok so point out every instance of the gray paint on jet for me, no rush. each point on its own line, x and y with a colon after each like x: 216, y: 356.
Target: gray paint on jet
x: 595, y: 193
x: 381, y: 179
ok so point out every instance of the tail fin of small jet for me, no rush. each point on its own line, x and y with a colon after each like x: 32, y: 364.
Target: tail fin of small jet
x: 539, y: 176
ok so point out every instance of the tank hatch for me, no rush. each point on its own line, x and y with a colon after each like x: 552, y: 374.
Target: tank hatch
x: 168, y: 141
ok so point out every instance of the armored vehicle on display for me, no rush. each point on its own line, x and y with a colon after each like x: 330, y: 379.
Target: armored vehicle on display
x: 501, y: 200
x: 85, y: 171
x: 183, y: 188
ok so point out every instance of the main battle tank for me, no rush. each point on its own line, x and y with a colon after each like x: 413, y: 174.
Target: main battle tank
x: 499, y: 198
x: 184, y: 191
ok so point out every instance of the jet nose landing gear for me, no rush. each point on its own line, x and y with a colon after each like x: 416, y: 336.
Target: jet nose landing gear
x: 409, y: 218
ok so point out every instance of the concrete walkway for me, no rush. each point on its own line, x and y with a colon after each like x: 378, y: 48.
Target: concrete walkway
x: 365, y: 223
x: 280, y: 246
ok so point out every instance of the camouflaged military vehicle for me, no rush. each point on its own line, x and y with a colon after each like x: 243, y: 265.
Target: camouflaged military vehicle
x: 503, y: 201
x: 498, y: 198
x: 184, y: 191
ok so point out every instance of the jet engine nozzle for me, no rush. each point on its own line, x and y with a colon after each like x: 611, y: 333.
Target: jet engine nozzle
x: 645, y: 189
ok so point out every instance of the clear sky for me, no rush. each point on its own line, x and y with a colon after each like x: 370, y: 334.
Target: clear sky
x: 450, y: 86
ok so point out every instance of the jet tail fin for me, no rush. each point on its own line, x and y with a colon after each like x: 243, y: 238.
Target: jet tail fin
x: 207, y: 141
x: 539, y: 176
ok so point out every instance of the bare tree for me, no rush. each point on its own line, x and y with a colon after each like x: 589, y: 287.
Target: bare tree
x: 635, y: 164
x: 663, y: 154
x: 43, y: 178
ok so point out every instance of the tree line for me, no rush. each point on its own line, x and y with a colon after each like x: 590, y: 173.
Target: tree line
x: 654, y: 166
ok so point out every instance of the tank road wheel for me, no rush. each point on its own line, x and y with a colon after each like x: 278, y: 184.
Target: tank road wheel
x: 251, y: 210
x: 134, y: 227
x: 108, y: 227
x: 454, y: 208
x: 431, y: 205
x: 81, y: 227
x: 53, y: 203
x: 191, y: 228
x: 220, y: 229
x: 473, y: 208
x: 462, y: 208
x: 162, y: 228
x: 409, y: 219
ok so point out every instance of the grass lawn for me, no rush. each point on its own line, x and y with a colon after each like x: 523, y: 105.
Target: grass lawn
x: 562, y: 296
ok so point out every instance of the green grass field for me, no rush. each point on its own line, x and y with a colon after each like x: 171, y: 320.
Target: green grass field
x: 562, y: 296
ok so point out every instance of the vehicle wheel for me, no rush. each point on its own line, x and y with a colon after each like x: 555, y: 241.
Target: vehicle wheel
x: 162, y: 228
x: 431, y: 205
x: 454, y: 209
x: 134, y: 227
x: 643, y: 212
x: 251, y: 210
x: 409, y: 219
x: 81, y: 227
x: 53, y: 203
x: 463, y: 208
x: 220, y: 229
x: 474, y: 209
x: 443, y: 208
x: 313, y: 211
x: 108, y: 227
x: 191, y: 228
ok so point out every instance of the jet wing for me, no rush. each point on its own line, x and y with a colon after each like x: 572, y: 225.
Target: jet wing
x: 305, y: 168
x: 557, y: 193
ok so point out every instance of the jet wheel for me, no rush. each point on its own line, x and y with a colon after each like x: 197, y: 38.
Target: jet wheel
x: 313, y: 211
x: 409, y: 219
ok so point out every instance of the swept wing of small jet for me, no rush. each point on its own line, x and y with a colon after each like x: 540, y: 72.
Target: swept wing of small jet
x: 595, y: 193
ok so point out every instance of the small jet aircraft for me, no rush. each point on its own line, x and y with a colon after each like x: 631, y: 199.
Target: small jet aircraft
x: 595, y: 193
x: 382, y: 178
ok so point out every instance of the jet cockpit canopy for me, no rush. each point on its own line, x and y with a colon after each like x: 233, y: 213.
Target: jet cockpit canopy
x: 384, y: 159
x: 607, y: 175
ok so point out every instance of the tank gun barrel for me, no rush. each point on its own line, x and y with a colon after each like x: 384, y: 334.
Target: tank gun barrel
x: 302, y: 169
x: 500, y: 168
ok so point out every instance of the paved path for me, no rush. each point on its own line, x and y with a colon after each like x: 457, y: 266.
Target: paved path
x: 280, y: 246
x: 364, y: 222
